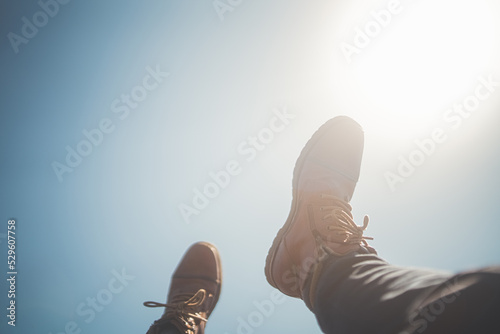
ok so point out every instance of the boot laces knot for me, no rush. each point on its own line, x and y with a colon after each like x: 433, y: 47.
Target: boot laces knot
x: 343, y: 222
x: 183, y: 309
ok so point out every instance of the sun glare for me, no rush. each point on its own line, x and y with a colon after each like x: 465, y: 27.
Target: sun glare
x: 427, y: 58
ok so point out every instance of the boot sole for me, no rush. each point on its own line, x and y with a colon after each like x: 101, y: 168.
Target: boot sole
x: 296, y: 172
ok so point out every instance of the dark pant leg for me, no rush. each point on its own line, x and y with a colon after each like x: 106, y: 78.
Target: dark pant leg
x: 170, y: 330
x: 362, y: 293
x: 467, y: 303
x: 165, y: 328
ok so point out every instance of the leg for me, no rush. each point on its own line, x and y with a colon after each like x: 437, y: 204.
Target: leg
x: 321, y: 256
x: 361, y: 293
x: 170, y: 329
x: 467, y: 303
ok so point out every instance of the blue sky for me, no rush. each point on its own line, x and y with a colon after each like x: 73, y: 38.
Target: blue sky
x: 115, y: 213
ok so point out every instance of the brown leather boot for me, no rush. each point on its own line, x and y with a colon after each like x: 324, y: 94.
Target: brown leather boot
x: 194, y: 291
x: 320, y: 220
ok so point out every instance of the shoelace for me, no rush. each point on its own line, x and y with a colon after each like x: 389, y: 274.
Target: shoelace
x: 344, y: 224
x: 184, y: 309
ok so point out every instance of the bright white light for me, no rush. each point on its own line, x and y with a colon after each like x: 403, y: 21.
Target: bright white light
x: 427, y: 58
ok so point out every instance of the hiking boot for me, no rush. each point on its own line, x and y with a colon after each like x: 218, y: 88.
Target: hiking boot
x: 194, y: 291
x: 320, y: 220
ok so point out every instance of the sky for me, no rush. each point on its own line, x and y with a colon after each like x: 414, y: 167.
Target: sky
x: 130, y: 130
